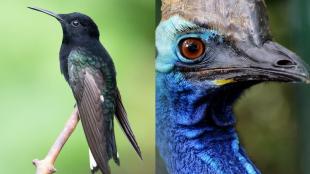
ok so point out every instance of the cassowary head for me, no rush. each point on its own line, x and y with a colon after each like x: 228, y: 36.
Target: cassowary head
x: 220, y: 44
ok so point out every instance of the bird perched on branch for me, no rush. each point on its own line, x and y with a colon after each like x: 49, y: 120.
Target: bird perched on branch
x: 90, y: 72
x: 209, y: 52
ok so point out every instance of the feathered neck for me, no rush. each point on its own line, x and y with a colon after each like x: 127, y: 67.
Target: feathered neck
x: 195, y: 130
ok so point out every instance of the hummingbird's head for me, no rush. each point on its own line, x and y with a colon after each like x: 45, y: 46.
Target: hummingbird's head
x: 76, y: 27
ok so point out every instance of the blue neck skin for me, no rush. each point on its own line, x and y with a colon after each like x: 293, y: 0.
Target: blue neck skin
x: 195, y: 130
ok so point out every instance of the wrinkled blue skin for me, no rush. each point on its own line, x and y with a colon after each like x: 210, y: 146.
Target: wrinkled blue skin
x: 192, y: 136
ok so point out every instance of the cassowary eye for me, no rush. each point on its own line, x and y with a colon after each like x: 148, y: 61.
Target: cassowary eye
x: 192, y: 48
x: 75, y: 23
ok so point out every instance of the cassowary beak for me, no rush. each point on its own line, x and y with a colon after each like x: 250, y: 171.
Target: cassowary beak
x: 241, y: 62
x: 48, y: 12
x: 271, y: 62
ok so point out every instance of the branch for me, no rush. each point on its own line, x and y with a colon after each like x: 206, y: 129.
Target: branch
x: 46, y: 166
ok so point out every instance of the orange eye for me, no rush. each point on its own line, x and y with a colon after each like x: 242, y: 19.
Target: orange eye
x: 192, y: 48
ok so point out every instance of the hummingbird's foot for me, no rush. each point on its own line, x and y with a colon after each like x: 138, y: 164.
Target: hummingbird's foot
x: 46, y: 166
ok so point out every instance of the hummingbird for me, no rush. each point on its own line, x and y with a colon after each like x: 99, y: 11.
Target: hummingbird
x: 90, y: 72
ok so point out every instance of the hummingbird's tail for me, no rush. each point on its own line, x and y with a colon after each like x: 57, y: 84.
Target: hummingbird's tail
x: 113, y: 146
x: 121, y: 116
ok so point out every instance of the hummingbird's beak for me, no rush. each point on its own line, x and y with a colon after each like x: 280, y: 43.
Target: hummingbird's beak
x: 48, y: 12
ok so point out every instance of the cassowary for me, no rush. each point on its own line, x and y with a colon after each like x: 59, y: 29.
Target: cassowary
x: 208, y: 53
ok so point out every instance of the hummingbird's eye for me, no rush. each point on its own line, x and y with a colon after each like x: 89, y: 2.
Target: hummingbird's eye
x: 75, y: 23
x: 192, y: 48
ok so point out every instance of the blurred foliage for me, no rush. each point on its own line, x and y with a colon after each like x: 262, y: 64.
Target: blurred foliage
x: 300, y: 22
x: 267, y: 114
x: 35, y: 100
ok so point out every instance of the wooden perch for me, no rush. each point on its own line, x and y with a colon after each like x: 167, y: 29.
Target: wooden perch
x: 46, y: 166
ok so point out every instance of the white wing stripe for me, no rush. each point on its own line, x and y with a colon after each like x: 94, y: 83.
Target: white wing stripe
x: 92, y: 161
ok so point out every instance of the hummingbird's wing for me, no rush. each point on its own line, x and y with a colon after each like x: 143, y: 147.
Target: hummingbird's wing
x: 121, y: 116
x: 96, y: 125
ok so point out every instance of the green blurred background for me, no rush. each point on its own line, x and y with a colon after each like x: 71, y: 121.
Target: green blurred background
x: 273, y: 118
x: 35, y: 100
